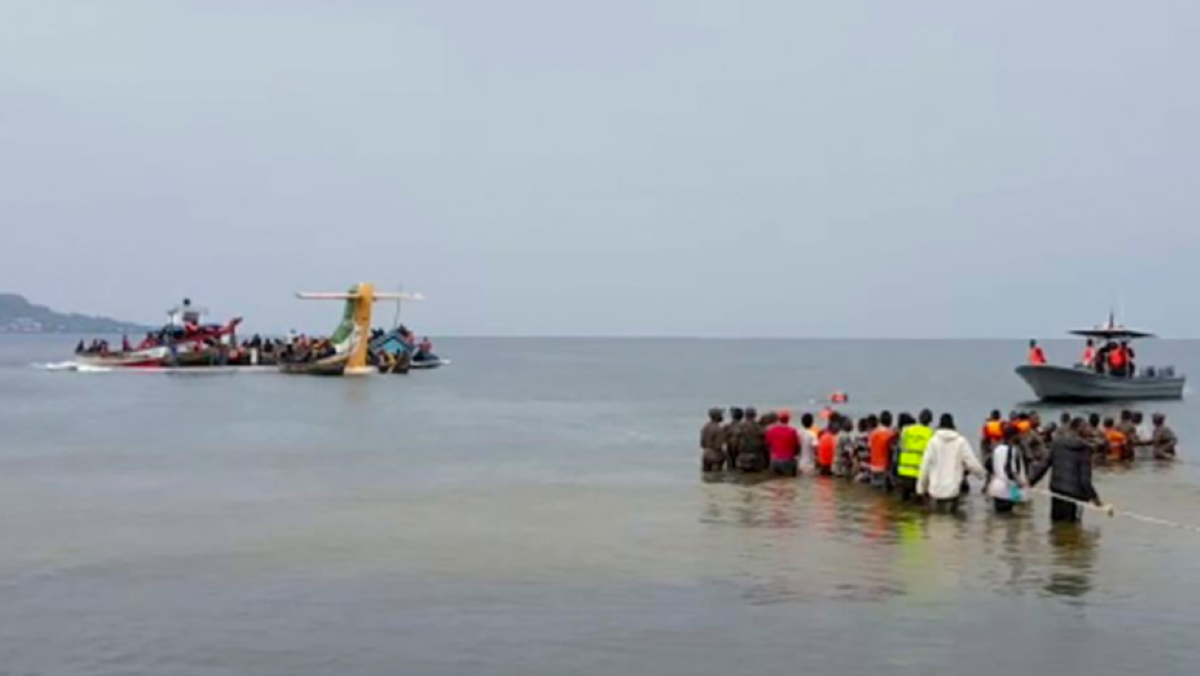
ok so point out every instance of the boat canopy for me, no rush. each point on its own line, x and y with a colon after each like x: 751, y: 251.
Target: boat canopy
x: 1113, y: 333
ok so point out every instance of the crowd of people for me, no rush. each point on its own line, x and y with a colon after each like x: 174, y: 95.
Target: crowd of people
x: 921, y: 462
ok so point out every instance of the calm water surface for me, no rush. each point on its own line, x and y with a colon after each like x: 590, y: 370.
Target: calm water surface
x: 537, y: 508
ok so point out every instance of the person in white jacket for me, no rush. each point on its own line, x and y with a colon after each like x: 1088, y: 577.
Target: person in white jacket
x: 947, y: 460
x: 1009, y: 477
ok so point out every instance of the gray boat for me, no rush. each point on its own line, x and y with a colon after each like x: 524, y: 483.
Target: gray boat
x: 1089, y: 383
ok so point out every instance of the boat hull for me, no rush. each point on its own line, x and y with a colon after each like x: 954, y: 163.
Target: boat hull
x: 146, y: 358
x: 1057, y: 383
x: 329, y: 366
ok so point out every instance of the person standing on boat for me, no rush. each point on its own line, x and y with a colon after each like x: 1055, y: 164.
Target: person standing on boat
x: 946, y: 461
x: 712, y: 442
x: 1089, y: 355
x: 784, y: 445
x: 1119, y: 359
x: 1070, y: 462
x: 1037, y: 356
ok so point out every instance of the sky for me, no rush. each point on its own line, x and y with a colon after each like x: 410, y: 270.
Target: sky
x: 860, y: 168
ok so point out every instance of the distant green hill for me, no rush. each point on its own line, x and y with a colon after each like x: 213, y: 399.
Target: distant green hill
x: 18, y: 315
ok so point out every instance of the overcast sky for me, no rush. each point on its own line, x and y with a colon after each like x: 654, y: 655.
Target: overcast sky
x: 628, y: 167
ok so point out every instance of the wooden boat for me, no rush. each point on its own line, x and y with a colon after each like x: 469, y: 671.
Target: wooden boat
x: 1085, y: 383
x: 334, y: 365
x: 145, y: 358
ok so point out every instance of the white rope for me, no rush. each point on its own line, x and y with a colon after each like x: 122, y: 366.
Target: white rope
x: 1110, y: 510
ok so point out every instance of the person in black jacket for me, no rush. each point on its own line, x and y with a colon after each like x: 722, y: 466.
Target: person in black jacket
x: 1071, y: 460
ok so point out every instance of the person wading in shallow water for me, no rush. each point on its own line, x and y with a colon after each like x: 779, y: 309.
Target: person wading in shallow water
x: 1071, y: 463
x: 913, y: 440
x: 784, y: 445
x: 734, y: 437
x: 945, y: 462
x: 712, y: 442
x: 1163, y: 440
x: 754, y: 444
x: 1008, y: 477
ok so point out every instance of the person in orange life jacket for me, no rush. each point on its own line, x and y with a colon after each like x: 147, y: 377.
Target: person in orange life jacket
x: 1130, y: 358
x: 1089, y: 355
x: 992, y: 434
x: 827, y: 446
x: 1120, y: 361
x: 1118, y: 443
x: 990, y: 437
x: 1037, y: 356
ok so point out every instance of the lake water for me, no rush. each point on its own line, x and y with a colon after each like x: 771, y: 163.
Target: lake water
x: 537, y: 508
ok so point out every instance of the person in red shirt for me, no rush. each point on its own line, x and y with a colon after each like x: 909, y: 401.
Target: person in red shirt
x: 1037, y: 356
x: 880, y: 443
x: 783, y: 442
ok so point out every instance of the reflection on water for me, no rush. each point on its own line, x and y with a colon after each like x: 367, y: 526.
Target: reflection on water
x: 1074, y: 555
x: 824, y: 538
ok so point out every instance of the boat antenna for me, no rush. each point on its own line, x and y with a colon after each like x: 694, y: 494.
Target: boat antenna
x: 396, y: 317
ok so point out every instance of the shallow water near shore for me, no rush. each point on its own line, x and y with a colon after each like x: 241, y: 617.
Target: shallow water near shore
x: 537, y: 508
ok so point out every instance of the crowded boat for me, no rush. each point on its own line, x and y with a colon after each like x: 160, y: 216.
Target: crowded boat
x: 925, y: 459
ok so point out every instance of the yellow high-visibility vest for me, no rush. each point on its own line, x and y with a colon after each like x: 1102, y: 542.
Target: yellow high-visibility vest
x: 913, y: 440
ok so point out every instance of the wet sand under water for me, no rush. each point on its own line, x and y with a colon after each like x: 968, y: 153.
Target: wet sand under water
x: 538, y: 508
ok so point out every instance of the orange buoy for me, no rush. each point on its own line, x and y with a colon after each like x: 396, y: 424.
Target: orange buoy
x: 839, y: 397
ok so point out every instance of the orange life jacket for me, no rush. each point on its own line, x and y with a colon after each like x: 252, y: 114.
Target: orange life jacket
x: 1089, y: 356
x: 1036, y: 356
x: 826, y: 449
x: 1023, y: 426
x: 1118, y: 444
x: 993, y: 430
x: 1118, y: 358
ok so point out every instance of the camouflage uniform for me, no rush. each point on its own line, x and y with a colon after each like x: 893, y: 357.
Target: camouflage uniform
x: 712, y: 440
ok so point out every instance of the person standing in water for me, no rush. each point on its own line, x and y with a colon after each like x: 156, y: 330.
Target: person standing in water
x: 734, y: 437
x: 862, y: 449
x: 1008, y: 474
x: 712, y: 442
x: 846, y: 450
x: 991, y: 436
x: 945, y: 464
x: 827, y: 446
x: 784, y: 445
x: 808, y: 444
x: 913, y: 440
x: 754, y: 444
x: 1163, y: 440
x: 1070, y: 463
x: 881, y: 440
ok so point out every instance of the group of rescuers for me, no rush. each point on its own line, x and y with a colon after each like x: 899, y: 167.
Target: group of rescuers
x: 912, y: 458
x: 1113, y: 358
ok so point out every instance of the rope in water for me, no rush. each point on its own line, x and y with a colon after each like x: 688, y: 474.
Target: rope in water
x: 1111, y: 511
